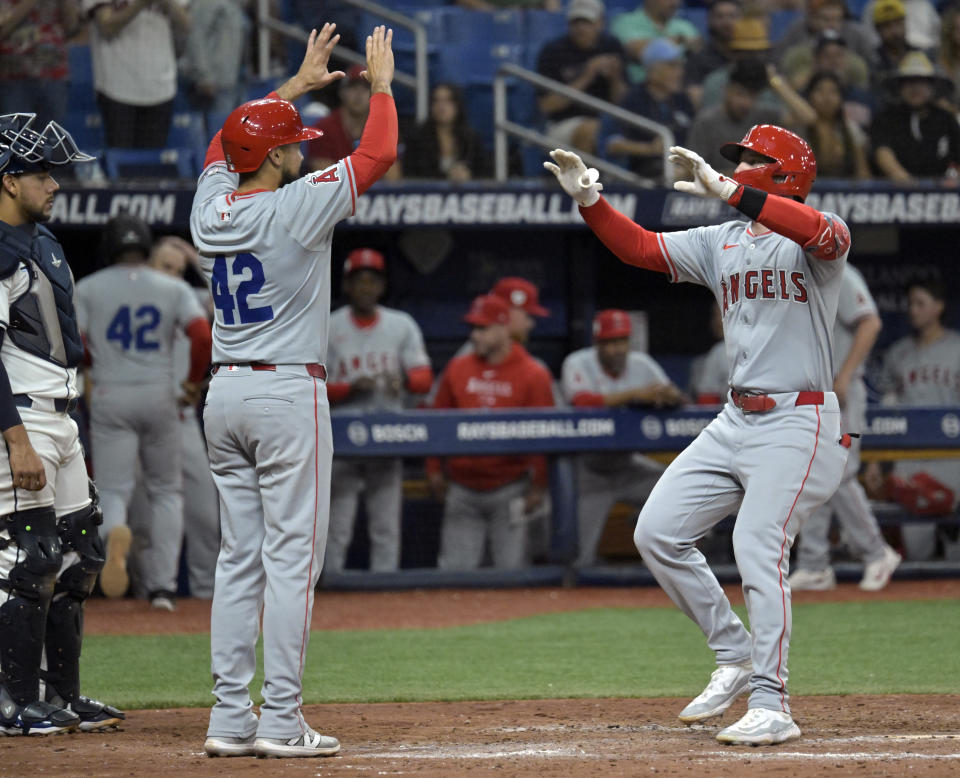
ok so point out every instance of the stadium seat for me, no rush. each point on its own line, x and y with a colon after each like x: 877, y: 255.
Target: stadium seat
x: 187, y: 130
x: 149, y: 163
x: 86, y: 127
x: 81, y: 64
x: 780, y: 22
x: 541, y: 27
x: 697, y: 17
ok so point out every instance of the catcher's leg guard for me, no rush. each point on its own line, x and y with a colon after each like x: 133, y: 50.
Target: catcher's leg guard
x: 30, y: 556
x: 64, y: 634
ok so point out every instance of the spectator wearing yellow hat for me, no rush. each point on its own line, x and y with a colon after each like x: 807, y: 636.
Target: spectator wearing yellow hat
x: 890, y: 23
x: 921, y: 18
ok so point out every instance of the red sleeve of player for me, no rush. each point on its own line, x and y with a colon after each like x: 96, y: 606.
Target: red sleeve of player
x: 378, y: 144
x: 419, y: 379
x: 338, y: 392
x: 823, y: 237
x: 628, y: 240
x: 201, y: 340
x: 587, y: 400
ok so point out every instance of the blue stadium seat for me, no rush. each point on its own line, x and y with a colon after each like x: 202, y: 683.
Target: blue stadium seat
x: 149, y: 163
x: 541, y: 28
x: 86, y: 127
x: 697, y: 17
x: 780, y: 21
x: 188, y: 130
x: 81, y: 63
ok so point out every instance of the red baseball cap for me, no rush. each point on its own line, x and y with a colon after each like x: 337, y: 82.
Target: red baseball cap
x: 364, y: 259
x: 610, y: 324
x: 520, y: 293
x: 355, y: 74
x: 486, y: 310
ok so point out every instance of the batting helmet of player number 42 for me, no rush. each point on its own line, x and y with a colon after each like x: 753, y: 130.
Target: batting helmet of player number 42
x: 255, y: 128
x: 792, y: 167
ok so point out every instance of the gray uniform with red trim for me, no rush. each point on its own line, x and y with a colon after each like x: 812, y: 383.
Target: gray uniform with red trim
x: 266, y: 256
x: 774, y: 468
x: 605, y: 479
x: 849, y: 503
x: 384, y: 350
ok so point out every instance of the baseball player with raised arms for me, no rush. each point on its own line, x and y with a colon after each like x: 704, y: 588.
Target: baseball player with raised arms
x: 50, y: 548
x: 775, y: 450
x: 609, y: 374
x: 376, y: 357
x: 130, y: 316
x: 854, y: 334
x: 264, y: 235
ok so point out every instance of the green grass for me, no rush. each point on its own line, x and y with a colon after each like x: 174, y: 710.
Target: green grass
x: 837, y: 648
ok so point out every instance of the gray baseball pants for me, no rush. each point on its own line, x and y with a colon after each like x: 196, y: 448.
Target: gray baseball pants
x: 271, y: 448
x: 131, y: 423
x: 472, y: 517
x: 381, y: 483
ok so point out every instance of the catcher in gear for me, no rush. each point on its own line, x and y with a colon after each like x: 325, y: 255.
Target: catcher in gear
x: 775, y: 452
x: 50, y: 551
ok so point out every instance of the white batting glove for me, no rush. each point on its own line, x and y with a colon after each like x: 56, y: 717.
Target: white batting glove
x: 578, y: 181
x: 707, y: 182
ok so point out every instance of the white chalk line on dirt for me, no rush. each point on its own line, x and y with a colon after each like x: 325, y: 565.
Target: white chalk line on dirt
x: 551, y: 751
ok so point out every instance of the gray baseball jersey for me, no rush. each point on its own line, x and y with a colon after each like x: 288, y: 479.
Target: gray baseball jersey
x: 711, y: 374
x: 266, y: 257
x: 390, y: 346
x: 764, y: 284
x: 924, y: 374
x: 604, y: 479
x: 130, y: 316
x: 855, y: 303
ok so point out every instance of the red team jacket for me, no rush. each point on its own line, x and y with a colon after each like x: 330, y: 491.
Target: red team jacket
x: 517, y: 382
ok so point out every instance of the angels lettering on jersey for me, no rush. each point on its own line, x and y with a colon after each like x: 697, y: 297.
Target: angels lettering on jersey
x: 765, y: 284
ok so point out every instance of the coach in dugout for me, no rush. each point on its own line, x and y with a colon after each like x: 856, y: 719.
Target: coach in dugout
x: 608, y: 374
x: 489, y: 499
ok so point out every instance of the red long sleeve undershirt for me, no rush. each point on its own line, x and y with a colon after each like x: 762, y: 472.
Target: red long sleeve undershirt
x: 419, y: 380
x: 637, y: 246
x: 201, y: 341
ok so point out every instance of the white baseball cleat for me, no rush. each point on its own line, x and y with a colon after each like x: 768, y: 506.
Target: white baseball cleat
x: 309, y: 744
x: 727, y: 683
x: 876, y: 575
x: 813, y: 580
x: 223, y: 745
x: 760, y: 727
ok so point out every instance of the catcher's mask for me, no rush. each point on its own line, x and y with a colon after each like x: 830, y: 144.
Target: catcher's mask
x: 24, y: 150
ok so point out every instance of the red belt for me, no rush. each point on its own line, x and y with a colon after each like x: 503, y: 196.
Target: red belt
x: 758, y: 403
x: 314, y: 369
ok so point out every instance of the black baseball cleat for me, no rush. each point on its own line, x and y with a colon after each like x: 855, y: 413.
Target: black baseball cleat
x: 94, y: 715
x: 36, y: 718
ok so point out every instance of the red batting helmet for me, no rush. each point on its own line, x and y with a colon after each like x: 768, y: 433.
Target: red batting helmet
x: 255, y: 128
x: 792, y: 170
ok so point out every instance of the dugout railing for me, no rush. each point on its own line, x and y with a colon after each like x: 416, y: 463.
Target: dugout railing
x: 504, y: 128
x: 418, y: 81
x: 561, y: 434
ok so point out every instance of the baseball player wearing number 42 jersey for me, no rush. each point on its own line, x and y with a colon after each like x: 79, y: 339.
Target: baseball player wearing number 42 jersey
x: 130, y: 315
x: 264, y: 241
x: 775, y: 451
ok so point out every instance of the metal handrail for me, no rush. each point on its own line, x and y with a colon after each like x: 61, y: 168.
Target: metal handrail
x: 503, y: 126
x: 418, y: 81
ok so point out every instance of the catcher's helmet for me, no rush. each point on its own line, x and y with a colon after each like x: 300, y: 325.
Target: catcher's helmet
x: 25, y: 150
x: 792, y: 169
x: 124, y: 232
x: 255, y: 128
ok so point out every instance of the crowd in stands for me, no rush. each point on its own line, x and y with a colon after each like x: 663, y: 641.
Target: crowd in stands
x: 872, y: 86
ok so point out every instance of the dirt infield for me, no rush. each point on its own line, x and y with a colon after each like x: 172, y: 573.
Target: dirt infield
x: 860, y: 735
